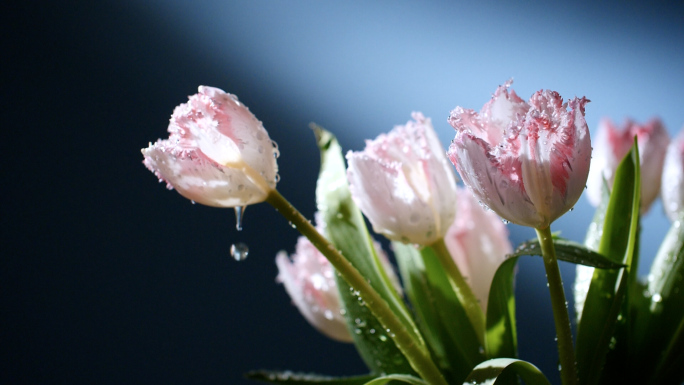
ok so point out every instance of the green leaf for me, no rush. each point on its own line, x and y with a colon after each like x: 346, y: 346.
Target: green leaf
x: 660, y: 319
x: 346, y: 229
x: 291, y: 378
x: 396, y: 377
x: 501, y: 336
x: 569, y: 251
x: 608, y: 287
x: 504, y: 371
x: 591, y: 241
x: 442, y: 319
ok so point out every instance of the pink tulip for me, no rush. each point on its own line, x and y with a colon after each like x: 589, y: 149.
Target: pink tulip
x: 611, y: 146
x: 218, y: 154
x: 526, y: 161
x: 404, y: 184
x: 673, y: 178
x: 478, y: 242
x: 309, y: 279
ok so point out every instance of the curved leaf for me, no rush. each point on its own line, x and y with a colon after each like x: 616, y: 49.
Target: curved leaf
x: 661, y: 318
x: 396, y: 377
x: 504, y: 370
x: 608, y: 288
x: 291, y: 378
x: 569, y: 251
x: 346, y: 229
x: 501, y: 336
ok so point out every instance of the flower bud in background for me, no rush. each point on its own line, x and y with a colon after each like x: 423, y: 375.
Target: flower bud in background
x: 672, y: 188
x: 610, y: 147
x: 218, y: 154
x: 526, y: 161
x: 478, y: 242
x: 404, y: 184
x: 309, y: 279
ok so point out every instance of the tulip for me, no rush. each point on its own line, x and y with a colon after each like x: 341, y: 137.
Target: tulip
x: 404, y: 184
x: 673, y: 179
x: 612, y: 144
x: 478, y: 242
x: 309, y: 279
x: 217, y: 154
x: 528, y: 162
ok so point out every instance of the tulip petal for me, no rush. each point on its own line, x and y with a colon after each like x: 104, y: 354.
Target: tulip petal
x: 217, y: 154
x: 198, y: 178
x: 527, y: 161
x: 613, y: 143
x: 404, y: 184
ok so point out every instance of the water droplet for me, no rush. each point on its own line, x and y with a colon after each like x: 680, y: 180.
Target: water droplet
x: 505, y: 221
x: 656, y: 298
x: 239, y: 251
x: 193, y: 202
x: 572, y: 208
x: 382, y: 337
x: 276, y: 151
x: 239, y: 212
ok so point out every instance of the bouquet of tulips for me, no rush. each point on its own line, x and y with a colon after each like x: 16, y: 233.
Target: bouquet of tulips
x: 452, y: 319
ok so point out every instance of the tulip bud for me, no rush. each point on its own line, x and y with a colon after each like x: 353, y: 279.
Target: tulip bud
x: 404, y: 184
x: 611, y: 146
x: 528, y: 162
x: 478, y: 242
x: 309, y: 279
x: 673, y: 178
x: 218, y: 153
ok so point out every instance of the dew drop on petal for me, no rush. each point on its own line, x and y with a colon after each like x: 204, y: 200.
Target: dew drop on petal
x: 239, y: 212
x: 239, y: 251
x: 276, y: 150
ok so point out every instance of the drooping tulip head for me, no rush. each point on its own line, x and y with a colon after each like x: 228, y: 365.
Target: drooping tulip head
x: 217, y: 154
x: 478, y: 242
x: 611, y: 146
x: 404, y: 184
x: 527, y: 161
x: 672, y: 189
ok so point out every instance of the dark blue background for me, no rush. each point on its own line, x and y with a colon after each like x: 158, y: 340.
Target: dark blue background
x: 106, y: 277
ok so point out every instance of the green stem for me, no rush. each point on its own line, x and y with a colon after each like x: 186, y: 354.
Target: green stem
x: 463, y: 291
x: 418, y: 357
x: 566, y: 350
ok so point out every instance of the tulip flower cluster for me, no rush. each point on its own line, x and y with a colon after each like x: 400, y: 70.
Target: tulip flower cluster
x: 452, y: 319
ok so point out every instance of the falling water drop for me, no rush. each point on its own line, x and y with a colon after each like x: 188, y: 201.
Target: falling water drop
x: 239, y: 212
x: 239, y: 251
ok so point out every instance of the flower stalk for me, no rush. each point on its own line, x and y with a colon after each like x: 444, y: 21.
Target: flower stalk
x: 566, y: 350
x: 462, y: 289
x: 418, y: 357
